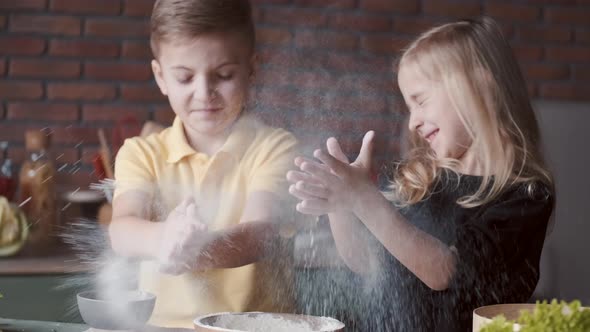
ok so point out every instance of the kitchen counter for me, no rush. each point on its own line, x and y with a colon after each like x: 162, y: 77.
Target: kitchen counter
x: 16, y: 325
x: 57, y: 259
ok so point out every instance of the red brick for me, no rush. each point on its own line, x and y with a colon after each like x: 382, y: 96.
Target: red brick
x: 136, y: 50
x: 274, y: 77
x: 339, y: 4
x: 113, y: 112
x: 88, y: 155
x: 546, y: 72
x: 582, y: 73
x: 138, y: 7
x: 366, y: 64
x: 399, y: 6
x: 356, y: 22
x: 116, y: 28
x: 457, y: 9
x: 80, y: 179
x: 164, y: 115
x: 295, y: 17
x: 319, y: 122
x: 57, y: 25
x: 414, y: 25
x: 326, y: 40
x: 99, y: 7
x: 283, y: 58
x: 119, y: 71
x: 2, y: 67
x: 568, y: 15
x: 75, y: 135
x: 551, y: 2
x: 528, y: 52
x: 583, y: 36
x: 42, y: 111
x: 367, y: 84
x: 84, y: 48
x: 512, y: 12
x: 81, y: 91
x: 21, y: 45
x: 66, y: 155
x: 39, y: 68
x: 273, y: 36
x: 278, y: 99
x: 384, y: 44
x: 14, y: 90
x: 23, y: 4
x: 270, y: 2
x: 532, y: 90
x: 568, y: 54
x: 507, y: 29
x: 567, y: 91
x: 141, y: 93
x: 545, y: 34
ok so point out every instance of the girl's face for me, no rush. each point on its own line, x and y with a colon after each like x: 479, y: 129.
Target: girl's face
x: 206, y: 80
x: 432, y: 116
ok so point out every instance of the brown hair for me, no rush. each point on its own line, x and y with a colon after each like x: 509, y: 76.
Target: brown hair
x: 185, y: 19
x: 476, y: 66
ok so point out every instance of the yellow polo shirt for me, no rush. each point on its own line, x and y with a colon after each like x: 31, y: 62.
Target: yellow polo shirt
x: 254, y: 158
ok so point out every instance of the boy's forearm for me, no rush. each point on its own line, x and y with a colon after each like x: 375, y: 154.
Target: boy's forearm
x: 239, y: 245
x: 427, y: 257
x: 134, y: 237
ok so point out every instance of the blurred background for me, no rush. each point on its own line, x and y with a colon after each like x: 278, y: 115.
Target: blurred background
x: 71, y: 67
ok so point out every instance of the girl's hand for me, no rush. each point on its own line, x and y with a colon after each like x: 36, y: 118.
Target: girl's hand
x: 333, y: 185
x: 182, y: 236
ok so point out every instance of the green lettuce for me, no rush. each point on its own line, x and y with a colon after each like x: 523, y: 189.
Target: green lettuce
x: 546, y: 317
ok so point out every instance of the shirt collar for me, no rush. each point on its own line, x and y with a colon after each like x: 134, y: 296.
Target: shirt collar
x: 242, y: 134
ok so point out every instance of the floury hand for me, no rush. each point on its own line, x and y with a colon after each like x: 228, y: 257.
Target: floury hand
x: 182, y: 237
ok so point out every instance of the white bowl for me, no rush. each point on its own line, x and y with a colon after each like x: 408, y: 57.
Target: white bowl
x: 260, y: 321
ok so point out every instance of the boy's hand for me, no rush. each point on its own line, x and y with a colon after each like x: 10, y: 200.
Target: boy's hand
x: 332, y: 185
x: 182, y: 237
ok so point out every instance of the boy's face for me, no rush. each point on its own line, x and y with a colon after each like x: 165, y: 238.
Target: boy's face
x: 206, y: 80
x: 432, y: 115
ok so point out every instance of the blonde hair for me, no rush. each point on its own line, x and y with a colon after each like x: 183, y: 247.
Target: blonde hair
x: 481, y: 76
x: 181, y: 19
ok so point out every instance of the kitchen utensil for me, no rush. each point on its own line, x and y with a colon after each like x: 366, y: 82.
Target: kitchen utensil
x: 260, y: 321
x: 128, y: 311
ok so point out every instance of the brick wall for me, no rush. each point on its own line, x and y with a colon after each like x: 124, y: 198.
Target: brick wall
x: 72, y: 66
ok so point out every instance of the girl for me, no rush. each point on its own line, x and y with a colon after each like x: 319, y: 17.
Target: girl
x: 463, y: 222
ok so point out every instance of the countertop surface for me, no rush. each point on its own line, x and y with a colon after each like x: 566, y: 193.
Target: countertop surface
x: 16, y: 325
x: 57, y: 259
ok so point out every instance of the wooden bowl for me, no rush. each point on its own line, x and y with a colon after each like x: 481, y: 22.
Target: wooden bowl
x: 246, y: 321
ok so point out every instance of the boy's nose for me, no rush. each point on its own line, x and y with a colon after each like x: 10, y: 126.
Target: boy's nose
x: 203, y: 90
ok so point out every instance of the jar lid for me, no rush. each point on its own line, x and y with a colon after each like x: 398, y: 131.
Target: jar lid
x: 36, y: 140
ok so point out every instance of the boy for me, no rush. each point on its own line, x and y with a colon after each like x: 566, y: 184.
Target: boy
x: 213, y: 180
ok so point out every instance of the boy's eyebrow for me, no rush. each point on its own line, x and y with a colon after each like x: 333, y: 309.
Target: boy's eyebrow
x: 228, y: 63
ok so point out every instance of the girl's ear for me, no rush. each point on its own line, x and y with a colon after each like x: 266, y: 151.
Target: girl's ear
x: 159, y: 76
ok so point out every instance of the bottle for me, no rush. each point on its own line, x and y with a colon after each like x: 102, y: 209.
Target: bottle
x: 37, y: 194
x: 7, y: 181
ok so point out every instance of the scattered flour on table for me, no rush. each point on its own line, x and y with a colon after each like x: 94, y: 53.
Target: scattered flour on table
x: 269, y: 323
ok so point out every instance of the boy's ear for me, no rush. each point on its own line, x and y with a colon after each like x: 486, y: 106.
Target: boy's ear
x: 157, y: 69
